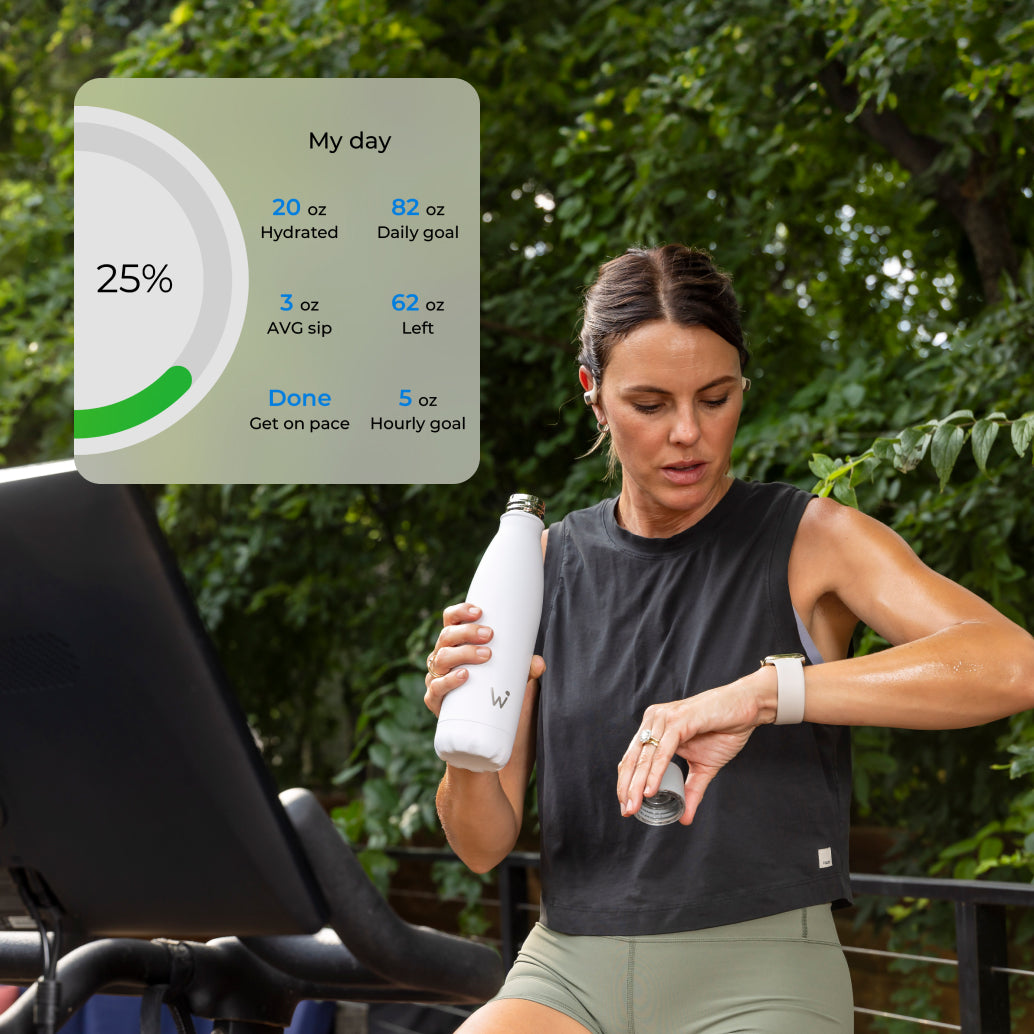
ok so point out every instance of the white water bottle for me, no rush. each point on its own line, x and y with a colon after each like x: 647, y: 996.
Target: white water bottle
x: 478, y: 721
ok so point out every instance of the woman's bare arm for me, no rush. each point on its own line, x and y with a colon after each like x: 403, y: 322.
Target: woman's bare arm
x: 954, y: 660
x: 481, y: 812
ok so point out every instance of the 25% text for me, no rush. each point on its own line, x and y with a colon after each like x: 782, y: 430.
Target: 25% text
x: 129, y: 282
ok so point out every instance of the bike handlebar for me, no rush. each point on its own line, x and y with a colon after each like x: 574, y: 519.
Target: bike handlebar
x: 370, y: 954
x: 413, y: 956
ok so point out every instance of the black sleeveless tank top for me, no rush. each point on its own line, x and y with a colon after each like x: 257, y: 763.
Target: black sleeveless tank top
x: 629, y: 621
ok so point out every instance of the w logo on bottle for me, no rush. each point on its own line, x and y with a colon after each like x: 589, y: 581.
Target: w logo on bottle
x: 499, y: 702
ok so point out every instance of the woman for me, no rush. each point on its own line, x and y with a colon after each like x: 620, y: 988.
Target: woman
x: 663, y: 612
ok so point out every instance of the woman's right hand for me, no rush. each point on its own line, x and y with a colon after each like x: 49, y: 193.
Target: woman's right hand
x: 461, y: 642
x: 481, y: 812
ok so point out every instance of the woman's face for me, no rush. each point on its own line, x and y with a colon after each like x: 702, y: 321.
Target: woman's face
x: 671, y: 396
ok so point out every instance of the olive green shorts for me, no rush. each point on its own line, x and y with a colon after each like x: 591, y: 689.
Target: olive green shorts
x: 783, y: 974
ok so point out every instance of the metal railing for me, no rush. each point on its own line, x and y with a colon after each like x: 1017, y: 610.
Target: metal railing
x: 981, y: 944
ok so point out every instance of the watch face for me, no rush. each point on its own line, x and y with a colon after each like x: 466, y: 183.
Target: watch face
x: 773, y: 657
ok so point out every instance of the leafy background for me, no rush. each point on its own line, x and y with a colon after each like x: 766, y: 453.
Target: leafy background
x: 864, y: 171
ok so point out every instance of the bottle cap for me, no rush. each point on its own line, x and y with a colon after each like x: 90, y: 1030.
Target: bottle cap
x: 668, y: 803
x: 528, y: 503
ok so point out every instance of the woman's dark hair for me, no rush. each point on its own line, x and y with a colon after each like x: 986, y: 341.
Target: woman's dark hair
x: 673, y: 282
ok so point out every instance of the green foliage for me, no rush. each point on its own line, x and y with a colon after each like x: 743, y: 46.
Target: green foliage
x: 392, y: 739
x: 943, y: 438
x: 377, y: 864
x: 455, y: 881
x: 270, y: 38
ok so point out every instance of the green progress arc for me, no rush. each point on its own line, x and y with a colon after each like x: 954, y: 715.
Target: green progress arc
x: 135, y: 410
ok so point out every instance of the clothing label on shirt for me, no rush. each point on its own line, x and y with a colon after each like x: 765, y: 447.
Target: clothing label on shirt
x: 825, y: 857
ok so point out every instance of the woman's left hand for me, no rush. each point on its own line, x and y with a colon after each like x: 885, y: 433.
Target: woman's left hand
x: 708, y: 729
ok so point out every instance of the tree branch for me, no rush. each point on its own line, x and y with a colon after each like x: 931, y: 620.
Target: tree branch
x: 979, y: 212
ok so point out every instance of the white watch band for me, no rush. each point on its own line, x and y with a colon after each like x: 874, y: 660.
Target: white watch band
x: 790, y: 691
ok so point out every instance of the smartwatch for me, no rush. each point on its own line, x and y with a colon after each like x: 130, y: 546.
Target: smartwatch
x: 790, y: 686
